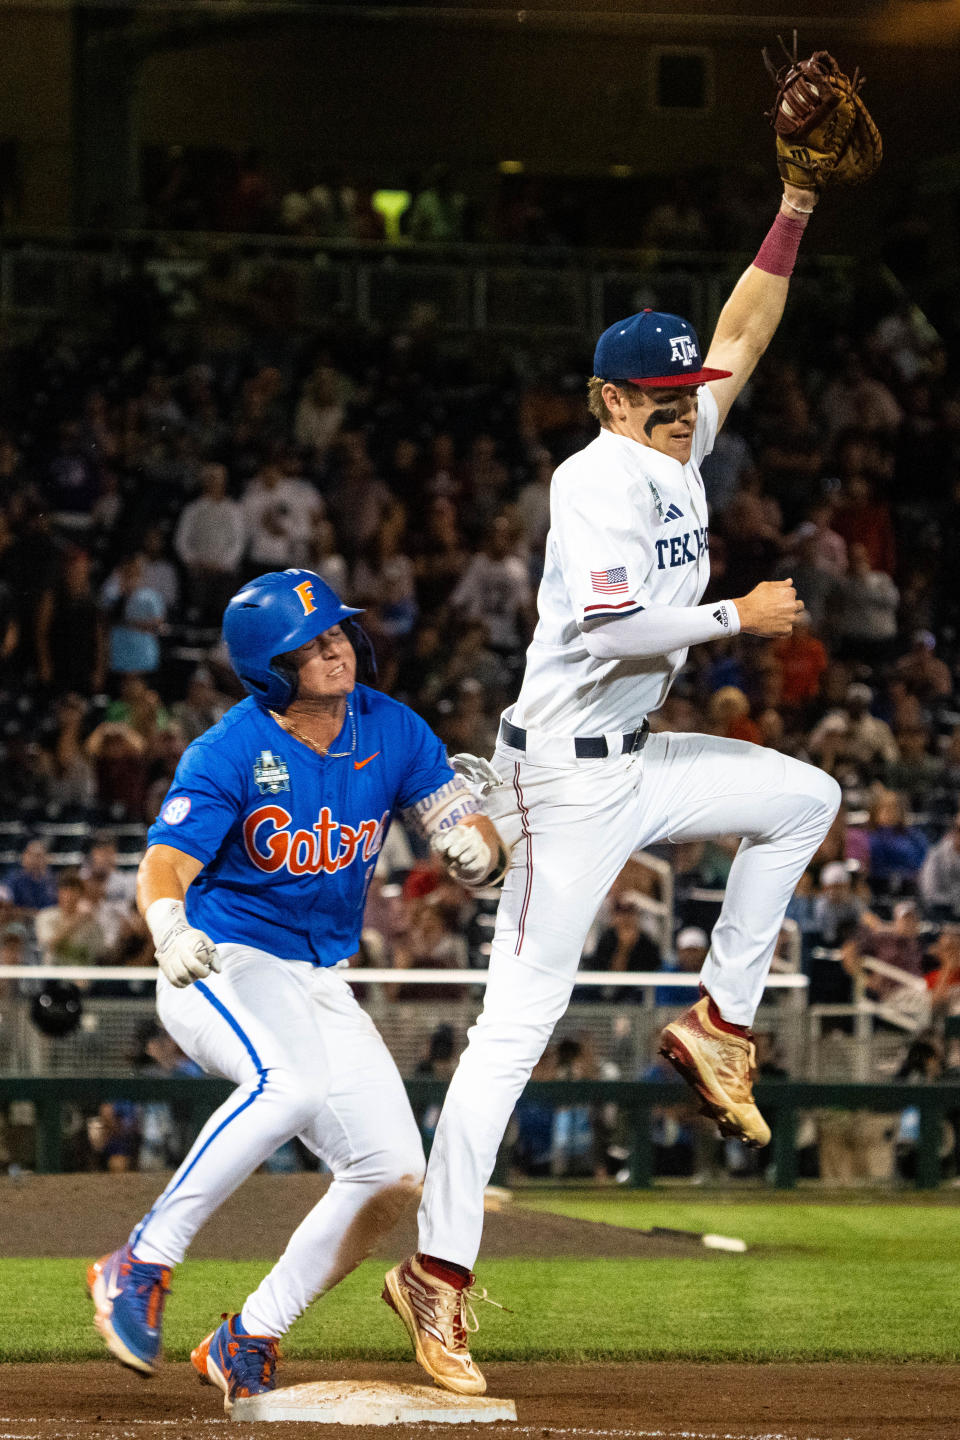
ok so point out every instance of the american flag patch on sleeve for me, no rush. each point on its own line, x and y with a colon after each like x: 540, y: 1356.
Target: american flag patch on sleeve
x: 609, y: 582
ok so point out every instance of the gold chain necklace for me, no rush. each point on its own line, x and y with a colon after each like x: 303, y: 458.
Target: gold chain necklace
x: 324, y: 750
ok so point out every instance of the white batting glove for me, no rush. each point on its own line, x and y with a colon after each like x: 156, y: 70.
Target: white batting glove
x: 476, y: 771
x: 464, y: 852
x: 184, y: 953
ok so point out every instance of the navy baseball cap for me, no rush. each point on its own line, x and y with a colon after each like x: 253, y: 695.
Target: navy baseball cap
x: 652, y: 348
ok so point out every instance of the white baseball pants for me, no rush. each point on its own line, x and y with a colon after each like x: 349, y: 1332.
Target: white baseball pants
x: 307, y: 1061
x: 571, y: 828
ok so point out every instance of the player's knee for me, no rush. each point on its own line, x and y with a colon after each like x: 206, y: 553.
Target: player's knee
x: 827, y: 794
x: 298, y: 1094
x: 816, y: 791
x: 509, y: 1049
x: 398, y: 1170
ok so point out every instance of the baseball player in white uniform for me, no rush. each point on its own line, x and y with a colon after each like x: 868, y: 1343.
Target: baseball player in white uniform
x: 578, y: 782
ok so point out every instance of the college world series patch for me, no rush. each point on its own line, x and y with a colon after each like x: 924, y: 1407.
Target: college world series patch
x: 270, y: 773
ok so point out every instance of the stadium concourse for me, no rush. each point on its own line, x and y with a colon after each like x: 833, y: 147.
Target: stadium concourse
x: 155, y: 456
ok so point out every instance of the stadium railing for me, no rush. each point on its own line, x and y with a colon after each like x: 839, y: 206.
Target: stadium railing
x: 487, y: 288
x: 781, y: 1101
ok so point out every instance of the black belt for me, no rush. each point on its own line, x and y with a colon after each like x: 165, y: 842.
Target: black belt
x: 585, y: 747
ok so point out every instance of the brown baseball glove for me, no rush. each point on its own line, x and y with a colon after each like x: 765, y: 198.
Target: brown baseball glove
x: 825, y: 134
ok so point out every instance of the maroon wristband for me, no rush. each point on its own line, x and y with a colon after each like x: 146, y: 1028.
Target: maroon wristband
x: 778, y: 253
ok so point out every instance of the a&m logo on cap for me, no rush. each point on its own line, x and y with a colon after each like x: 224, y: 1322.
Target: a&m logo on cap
x: 683, y: 349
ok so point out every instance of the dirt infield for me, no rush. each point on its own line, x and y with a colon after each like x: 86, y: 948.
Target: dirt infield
x: 75, y: 1215
x: 91, y: 1214
x: 554, y: 1402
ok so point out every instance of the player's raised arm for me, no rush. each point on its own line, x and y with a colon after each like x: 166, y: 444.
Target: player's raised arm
x: 825, y: 135
x: 184, y: 953
x: 749, y: 319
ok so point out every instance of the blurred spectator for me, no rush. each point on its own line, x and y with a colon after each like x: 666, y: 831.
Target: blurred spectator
x: 917, y: 770
x: 119, y: 758
x: 113, y: 1134
x: 429, y: 943
x: 465, y: 723
x: 136, y: 614
x: 324, y: 557
x: 384, y: 578
x: 70, y: 635
x: 438, y: 213
x: 203, y: 706
x: 165, y: 1132
x: 249, y: 205
x: 320, y: 410
x: 165, y: 756
x: 496, y: 590
x: 623, y: 946
x: 922, y: 1064
x: 922, y: 672
x: 279, y: 513
x: 71, y: 774
x: 867, y: 600
x: 728, y: 714
x: 939, y: 881
x: 439, y: 1063
x: 574, y: 1150
x: 67, y: 932
x: 851, y: 737
x: 837, y: 907
x: 159, y: 574
x: 532, y: 1125
x: 896, y: 850
x: 690, y: 951
x: 440, y: 555
x: 15, y: 949
x: 119, y: 885
x: 863, y: 522
x: 139, y: 707
x: 898, y: 948
x: 944, y: 977
x: 801, y: 660
x: 676, y: 221
x: 856, y: 400
x: 32, y: 885
x: 533, y: 505
x: 209, y: 540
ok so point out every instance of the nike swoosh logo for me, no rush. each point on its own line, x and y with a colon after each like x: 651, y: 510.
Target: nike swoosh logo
x: 359, y: 764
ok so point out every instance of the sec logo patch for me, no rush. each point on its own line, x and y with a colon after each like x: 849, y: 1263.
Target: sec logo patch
x: 176, y: 811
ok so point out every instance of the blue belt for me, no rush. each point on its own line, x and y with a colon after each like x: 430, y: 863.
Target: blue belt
x: 585, y: 747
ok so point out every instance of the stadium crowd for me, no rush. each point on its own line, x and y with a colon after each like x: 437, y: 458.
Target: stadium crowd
x: 150, y: 463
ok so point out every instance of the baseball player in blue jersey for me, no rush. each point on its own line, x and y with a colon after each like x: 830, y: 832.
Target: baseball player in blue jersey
x: 253, y: 886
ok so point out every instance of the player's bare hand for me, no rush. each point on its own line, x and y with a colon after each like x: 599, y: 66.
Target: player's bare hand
x: 770, y: 609
x: 184, y: 953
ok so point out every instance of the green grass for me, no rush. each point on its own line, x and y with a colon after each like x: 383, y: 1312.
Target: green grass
x: 848, y: 1281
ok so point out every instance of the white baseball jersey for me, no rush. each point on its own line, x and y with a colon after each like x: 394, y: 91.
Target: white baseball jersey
x: 628, y: 530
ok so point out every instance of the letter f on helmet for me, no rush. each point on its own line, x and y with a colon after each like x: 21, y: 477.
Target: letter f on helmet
x: 275, y: 613
x: 305, y: 591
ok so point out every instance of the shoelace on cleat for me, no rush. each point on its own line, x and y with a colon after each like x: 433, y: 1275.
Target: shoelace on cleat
x: 253, y: 1359
x: 462, y: 1316
x: 147, y: 1295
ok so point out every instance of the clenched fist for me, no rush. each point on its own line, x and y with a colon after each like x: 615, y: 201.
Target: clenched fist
x: 184, y: 953
x: 770, y: 609
x: 464, y: 852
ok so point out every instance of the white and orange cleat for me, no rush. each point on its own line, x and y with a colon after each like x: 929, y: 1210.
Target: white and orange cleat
x: 438, y: 1318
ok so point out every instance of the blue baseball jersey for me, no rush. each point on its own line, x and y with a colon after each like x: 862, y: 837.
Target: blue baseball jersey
x: 288, y: 837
